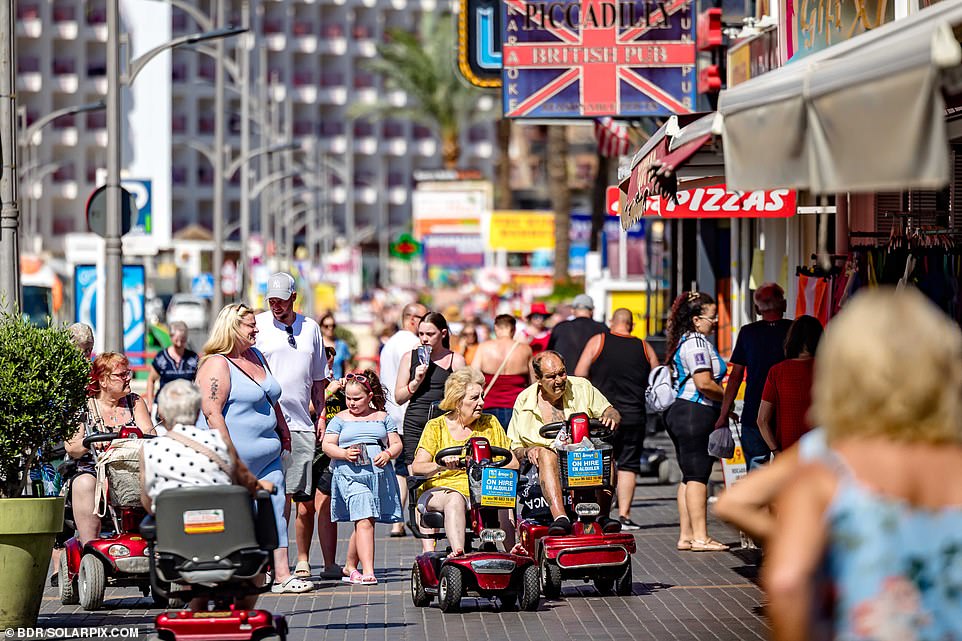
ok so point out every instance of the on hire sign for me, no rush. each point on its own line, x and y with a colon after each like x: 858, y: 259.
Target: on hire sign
x: 593, y: 58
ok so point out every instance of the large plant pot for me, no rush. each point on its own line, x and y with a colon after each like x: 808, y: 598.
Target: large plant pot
x: 28, y: 527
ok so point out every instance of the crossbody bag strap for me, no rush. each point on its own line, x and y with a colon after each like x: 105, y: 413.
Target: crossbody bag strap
x: 500, y: 369
x: 202, y: 449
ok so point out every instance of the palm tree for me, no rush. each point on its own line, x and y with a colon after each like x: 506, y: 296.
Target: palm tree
x: 421, y: 65
x: 556, y: 150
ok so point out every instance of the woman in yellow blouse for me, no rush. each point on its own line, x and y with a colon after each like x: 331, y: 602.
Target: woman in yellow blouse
x: 447, y: 490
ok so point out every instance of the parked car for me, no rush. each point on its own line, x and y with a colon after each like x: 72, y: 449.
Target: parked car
x: 190, y: 309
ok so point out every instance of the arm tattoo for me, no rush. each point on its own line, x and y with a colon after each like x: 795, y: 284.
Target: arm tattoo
x: 214, y: 384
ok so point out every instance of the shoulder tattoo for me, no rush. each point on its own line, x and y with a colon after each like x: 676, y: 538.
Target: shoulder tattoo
x: 214, y: 385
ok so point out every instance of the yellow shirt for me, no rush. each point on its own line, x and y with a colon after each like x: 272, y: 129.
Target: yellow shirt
x: 580, y: 396
x: 436, y: 437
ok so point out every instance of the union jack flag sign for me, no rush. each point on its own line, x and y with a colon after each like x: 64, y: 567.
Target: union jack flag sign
x: 594, y: 58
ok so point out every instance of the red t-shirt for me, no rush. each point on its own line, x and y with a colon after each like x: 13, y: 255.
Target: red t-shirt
x: 789, y: 388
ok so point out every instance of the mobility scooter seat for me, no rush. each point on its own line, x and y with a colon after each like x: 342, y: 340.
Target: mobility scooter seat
x: 208, y: 535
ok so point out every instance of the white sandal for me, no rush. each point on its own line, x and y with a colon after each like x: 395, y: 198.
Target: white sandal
x: 292, y: 585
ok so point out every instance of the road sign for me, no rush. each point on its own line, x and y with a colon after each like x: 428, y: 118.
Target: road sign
x: 479, y: 42
x: 594, y: 58
x: 202, y: 285
x: 97, y: 211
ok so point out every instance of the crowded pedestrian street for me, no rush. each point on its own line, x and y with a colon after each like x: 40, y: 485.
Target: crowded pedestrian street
x: 681, y: 596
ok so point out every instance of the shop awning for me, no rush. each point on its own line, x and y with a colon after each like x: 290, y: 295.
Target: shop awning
x: 864, y: 115
x: 677, y: 153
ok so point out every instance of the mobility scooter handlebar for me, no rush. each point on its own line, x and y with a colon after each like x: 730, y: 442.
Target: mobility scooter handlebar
x: 596, y: 427
x: 106, y: 437
x: 499, y: 456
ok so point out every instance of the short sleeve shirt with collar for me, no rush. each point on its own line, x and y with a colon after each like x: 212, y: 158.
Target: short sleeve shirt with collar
x: 696, y: 354
x: 170, y: 370
x: 295, y: 368
x: 580, y: 396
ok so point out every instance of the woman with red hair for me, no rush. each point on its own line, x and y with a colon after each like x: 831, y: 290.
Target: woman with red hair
x: 110, y: 406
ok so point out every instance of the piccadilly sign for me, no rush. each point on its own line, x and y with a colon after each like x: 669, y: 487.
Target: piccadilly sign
x: 717, y: 202
x: 593, y: 58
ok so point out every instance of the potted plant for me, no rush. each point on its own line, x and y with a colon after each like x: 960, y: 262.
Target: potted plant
x: 43, y: 379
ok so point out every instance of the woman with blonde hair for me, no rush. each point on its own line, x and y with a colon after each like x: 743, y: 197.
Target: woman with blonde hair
x: 447, y: 490
x: 880, y: 519
x: 240, y: 403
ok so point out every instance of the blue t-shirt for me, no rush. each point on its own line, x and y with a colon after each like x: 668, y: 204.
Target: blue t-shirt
x: 169, y: 370
x: 759, y: 346
x: 342, y: 355
x: 696, y: 354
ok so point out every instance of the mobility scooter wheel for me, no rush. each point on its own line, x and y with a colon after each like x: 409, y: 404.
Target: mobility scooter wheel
x: 623, y: 583
x: 530, y: 595
x: 550, y: 575
x: 92, y: 581
x: 451, y: 588
x: 418, y: 595
x: 66, y: 587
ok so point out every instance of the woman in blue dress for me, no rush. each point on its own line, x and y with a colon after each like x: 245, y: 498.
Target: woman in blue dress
x: 240, y: 402
x: 362, y: 442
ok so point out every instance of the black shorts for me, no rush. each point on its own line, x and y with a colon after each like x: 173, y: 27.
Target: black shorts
x: 627, y: 443
x: 321, y: 473
x: 689, y: 426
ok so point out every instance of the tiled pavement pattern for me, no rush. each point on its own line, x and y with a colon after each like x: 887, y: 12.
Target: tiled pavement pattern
x: 677, y: 596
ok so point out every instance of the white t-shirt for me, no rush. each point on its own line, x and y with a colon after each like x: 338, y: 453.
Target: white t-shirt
x: 170, y: 464
x: 295, y: 369
x: 396, y: 347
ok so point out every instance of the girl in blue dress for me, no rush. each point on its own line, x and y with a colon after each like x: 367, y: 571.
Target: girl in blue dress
x: 362, y: 441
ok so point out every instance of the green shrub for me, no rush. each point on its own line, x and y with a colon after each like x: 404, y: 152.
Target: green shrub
x: 43, y: 380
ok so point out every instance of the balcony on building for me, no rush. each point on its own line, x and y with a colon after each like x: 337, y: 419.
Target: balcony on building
x: 96, y: 19
x: 65, y: 20
x: 65, y: 181
x: 333, y: 90
x: 365, y: 137
x: 29, y: 19
x: 305, y: 35
x: 305, y: 85
x: 29, y: 76
x: 365, y: 187
x: 364, y: 41
x: 333, y: 40
x: 273, y: 29
x: 394, y: 139
x: 424, y: 141
x: 332, y: 136
x: 65, y: 73
x: 95, y: 120
x: 397, y: 187
x: 365, y: 87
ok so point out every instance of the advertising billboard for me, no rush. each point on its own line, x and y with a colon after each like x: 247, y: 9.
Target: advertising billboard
x: 86, y: 290
x: 593, y: 58
x: 521, y: 231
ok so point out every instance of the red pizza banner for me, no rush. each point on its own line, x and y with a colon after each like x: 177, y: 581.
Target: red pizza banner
x: 718, y: 202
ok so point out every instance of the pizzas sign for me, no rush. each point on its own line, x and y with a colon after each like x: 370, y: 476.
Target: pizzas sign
x: 718, y: 202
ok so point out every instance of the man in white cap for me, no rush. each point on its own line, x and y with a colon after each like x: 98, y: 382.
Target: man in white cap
x: 294, y: 349
x: 569, y: 337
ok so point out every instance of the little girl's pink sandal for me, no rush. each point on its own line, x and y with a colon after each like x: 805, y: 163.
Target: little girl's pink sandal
x: 368, y: 579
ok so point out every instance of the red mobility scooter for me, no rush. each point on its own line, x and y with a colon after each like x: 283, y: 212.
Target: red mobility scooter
x: 119, y: 556
x: 587, y: 553
x: 206, y: 542
x: 485, y: 571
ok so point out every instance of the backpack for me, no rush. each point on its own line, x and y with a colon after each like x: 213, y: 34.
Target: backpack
x: 663, y: 386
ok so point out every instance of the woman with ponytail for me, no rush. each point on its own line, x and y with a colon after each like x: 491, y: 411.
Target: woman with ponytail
x: 699, y: 371
x: 362, y: 441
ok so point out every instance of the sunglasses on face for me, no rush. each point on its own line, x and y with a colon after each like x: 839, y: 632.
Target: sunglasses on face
x: 123, y: 375
x: 328, y: 325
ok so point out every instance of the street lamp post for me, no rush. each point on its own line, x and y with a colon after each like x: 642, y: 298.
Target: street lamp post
x: 10, y: 295
x: 113, y: 247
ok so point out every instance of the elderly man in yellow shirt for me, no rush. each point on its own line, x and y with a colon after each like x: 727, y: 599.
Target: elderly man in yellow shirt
x: 554, y: 397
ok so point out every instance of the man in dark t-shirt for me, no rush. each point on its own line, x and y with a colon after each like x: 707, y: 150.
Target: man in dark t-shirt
x: 759, y: 346
x: 569, y: 337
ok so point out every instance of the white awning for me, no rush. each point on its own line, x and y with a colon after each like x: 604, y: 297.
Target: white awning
x: 864, y: 115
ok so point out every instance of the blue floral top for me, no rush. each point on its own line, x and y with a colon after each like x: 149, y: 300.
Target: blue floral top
x: 896, y: 569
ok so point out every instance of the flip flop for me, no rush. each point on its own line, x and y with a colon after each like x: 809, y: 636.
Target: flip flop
x: 292, y: 585
x: 302, y: 570
x: 368, y: 579
x: 354, y: 579
x: 708, y: 545
x: 684, y: 546
x: 398, y: 534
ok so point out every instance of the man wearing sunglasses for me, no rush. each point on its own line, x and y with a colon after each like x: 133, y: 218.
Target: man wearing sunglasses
x: 294, y: 349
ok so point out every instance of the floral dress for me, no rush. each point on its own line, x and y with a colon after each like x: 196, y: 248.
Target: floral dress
x: 895, y: 570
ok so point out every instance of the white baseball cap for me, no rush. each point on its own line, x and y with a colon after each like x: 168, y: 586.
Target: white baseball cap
x: 280, y: 285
